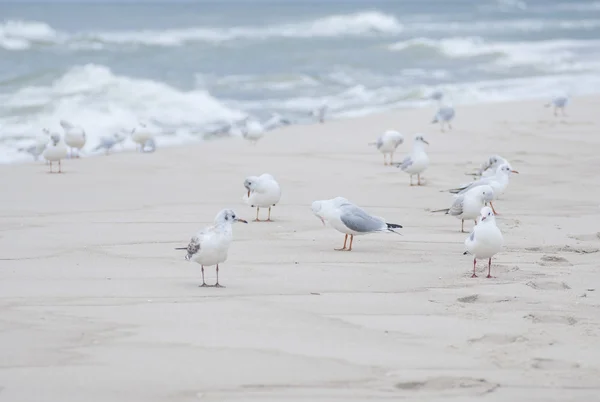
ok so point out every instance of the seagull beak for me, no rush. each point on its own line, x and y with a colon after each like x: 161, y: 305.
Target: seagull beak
x: 514, y: 171
x: 241, y: 220
x: 425, y: 142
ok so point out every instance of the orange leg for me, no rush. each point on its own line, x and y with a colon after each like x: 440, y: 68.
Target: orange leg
x: 351, y: 240
x: 257, y: 220
x: 343, y: 248
x: 489, y: 268
x: 492, y: 205
x: 269, y: 217
x: 474, y: 263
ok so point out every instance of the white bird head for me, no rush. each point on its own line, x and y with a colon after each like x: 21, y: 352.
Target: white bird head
x: 227, y: 216
x: 506, y: 169
x: 486, y: 192
x: 250, y: 183
x: 487, y: 215
x: 318, y: 209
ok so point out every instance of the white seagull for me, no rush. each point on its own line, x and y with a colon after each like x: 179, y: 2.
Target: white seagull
x: 350, y: 219
x: 210, y: 245
x: 560, y: 102
x: 387, y: 144
x: 417, y: 161
x: 75, y: 137
x: 141, y: 135
x: 263, y: 192
x: 41, y: 142
x: 468, y: 205
x: 251, y: 130
x: 445, y: 114
x: 489, y: 167
x: 498, y: 183
x: 55, y: 151
x: 485, y: 240
x: 320, y: 113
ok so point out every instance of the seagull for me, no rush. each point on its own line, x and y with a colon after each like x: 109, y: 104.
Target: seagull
x: 560, y: 102
x: 485, y: 240
x: 275, y: 121
x: 108, y: 142
x: 263, y: 192
x: 468, y: 205
x: 320, y: 113
x: 489, y: 167
x: 387, y: 144
x: 498, y: 183
x: 74, y: 137
x: 350, y: 219
x: 251, y: 130
x: 417, y: 162
x: 41, y: 142
x: 55, y: 151
x: 210, y: 245
x: 445, y: 114
x: 141, y: 135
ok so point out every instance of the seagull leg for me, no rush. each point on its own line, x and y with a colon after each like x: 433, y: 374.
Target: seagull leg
x: 418, y: 179
x: 391, y: 158
x: 257, y: 220
x: 59, y: 167
x: 217, y: 284
x: 489, y: 268
x: 269, y: 217
x: 50, y: 168
x: 492, y: 205
x: 203, y: 283
x: 474, y: 263
x: 343, y: 248
x: 462, y: 226
x: 351, y: 240
x: 384, y: 160
x: 411, y: 179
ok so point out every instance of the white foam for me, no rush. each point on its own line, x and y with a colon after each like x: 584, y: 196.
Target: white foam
x: 102, y: 102
x: 20, y: 35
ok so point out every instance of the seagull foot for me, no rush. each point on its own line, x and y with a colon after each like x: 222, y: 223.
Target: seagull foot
x: 204, y: 285
x: 473, y: 276
x: 490, y: 276
x: 217, y: 285
x: 256, y: 220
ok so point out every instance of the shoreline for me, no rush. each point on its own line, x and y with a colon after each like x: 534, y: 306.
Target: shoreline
x: 90, y: 279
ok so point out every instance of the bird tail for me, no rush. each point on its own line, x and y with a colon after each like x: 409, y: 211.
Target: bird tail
x: 446, y: 210
x: 392, y: 226
x: 465, y: 253
x: 455, y: 190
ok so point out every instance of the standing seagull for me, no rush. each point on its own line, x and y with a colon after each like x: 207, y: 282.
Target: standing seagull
x: 498, y: 183
x: 417, y: 162
x: 489, y: 167
x: 74, y: 137
x: 387, y: 144
x: 141, y: 135
x: 445, y: 114
x: 560, y: 102
x: 485, y: 240
x: 350, y: 219
x: 55, y: 151
x: 320, y: 113
x: 41, y: 142
x: 210, y: 245
x: 263, y: 192
x: 468, y: 205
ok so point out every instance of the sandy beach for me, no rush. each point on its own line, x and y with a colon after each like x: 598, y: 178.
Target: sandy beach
x: 98, y: 306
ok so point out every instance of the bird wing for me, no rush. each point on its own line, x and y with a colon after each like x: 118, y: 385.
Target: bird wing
x: 457, y: 206
x: 467, y: 187
x: 357, y: 219
x: 406, y: 163
x: 195, y: 243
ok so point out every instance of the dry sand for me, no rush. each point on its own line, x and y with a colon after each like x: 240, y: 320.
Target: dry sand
x: 98, y: 306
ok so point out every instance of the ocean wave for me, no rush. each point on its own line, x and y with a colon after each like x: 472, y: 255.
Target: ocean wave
x: 550, y: 55
x: 19, y: 35
x: 103, y: 102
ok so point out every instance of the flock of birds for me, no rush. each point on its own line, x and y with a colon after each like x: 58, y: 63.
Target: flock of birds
x: 210, y: 246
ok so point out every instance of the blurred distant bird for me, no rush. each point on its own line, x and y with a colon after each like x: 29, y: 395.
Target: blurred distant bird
x: 560, y: 102
x: 74, y: 137
x: 387, y: 143
x: 445, y: 114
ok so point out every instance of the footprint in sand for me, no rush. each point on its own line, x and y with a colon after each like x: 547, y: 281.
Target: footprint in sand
x: 553, y: 260
x: 587, y: 237
x: 476, y: 385
x: 548, y: 285
x: 551, y: 364
x: 551, y: 319
x: 498, y: 339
